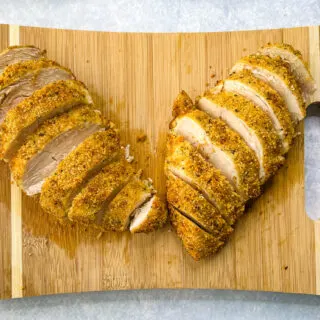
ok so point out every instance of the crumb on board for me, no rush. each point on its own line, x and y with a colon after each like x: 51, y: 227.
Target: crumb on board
x: 128, y: 157
x: 244, y: 49
x: 141, y: 138
x: 99, y: 235
x: 212, y: 75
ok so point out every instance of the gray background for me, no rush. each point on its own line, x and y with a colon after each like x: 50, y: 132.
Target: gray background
x: 163, y: 16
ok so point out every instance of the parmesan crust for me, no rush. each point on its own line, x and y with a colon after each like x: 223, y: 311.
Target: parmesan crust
x: 193, y: 204
x: 258, y: 122
x: 120, y: 211
x: 49, y: 130
x: 198, y: 243
x: 76, y: 169
x: 184, y: 160
x: 230, y: 143
x: 55, y: 98
x: 99, y: 191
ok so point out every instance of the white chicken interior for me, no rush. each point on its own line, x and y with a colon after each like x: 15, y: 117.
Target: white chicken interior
x: 237, y: 125
x: 277, y: 84
x: 249, y: 93
x: 44, y: 163
x: 11, y: 95
x: 141, y: 214
x: 196, y: 136
x: 18, y: 54
x: 297, y: 67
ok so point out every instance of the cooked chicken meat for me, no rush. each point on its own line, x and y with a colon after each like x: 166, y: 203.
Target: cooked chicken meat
x: 192, y: 204
x: 252, y: 124
x: 198, y: 243
x: 75, y: 170
x: 262, y: 95
x: 43, y: 150
x: 222, y: 147
x: 21, y: 80
x: 53, y: 99
x: 16, y: 54
x: 149, y: 217
x: 89, y: 204
x: 120, y: 211
x: 297, y: 65
x: 185, y: 162
x: 277, y: 74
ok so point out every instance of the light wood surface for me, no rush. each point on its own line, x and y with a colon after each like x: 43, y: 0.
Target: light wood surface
x: 134, y: 79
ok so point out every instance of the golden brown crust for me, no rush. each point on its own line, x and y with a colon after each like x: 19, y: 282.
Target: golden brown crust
x: 183, y: 157
x: 272, y: 98
x: 194, y: 205
x: 119, y: 212
x: 280, y: 68
x: 182, y: 104
x: 288, y: 47
x: 54, y: 98
x: 80, y: 165
x: 49, y: 130
x: 157, y: 217
x: 198, y: 243
x: 15, y: 71
x: 229, y: 142
x: 258, y: 122
x: 93, y: 197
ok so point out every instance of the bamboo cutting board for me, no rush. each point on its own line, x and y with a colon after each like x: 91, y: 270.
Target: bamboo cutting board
x: 134, y: 79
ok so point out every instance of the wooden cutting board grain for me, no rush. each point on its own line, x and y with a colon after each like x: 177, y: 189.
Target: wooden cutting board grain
x: 133, y: 79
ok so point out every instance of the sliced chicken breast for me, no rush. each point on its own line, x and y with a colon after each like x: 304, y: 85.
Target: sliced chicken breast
x: 267, y: 99
x: 16, y: 54
x: 198, y: 243
x: 277, y: 74
x: 21, y: 80
x: 251, y: 123
x: 53, y: 99
x: 89, y: 204
x: 75, y: 170
x: 43, y: 150
x: 222, y: 147
x: 185, y: 162
x: 192, y: 204
x: 149, y: 217
x: 119, y: 213
x: 298, y: 67
x: 182, y: 104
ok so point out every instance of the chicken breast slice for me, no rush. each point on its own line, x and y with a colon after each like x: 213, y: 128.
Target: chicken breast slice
x: 149, y: 217
x: 75, y: 170
x: 277, y: 74
x: 298, y: 67
x: 185, y: 162
x: 182, y: 104
x: 251, y: 123
x: 21, y: 80
x: 16, y: 54
x: 53, y: 99
x: 192, y: 204
x: 43, y: 150
x: 222, y: 147
x: 198, y: 243
x: 266, y: 98
x: 119, y: 213
x: 89, y: 204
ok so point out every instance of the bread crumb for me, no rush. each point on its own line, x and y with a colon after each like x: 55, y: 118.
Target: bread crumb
x: 142, y: 138
x: 212, y: 75
x: 99, y: 235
